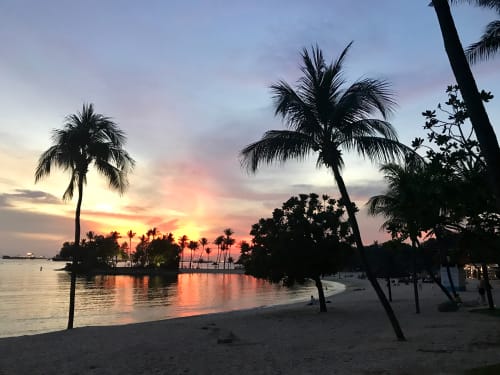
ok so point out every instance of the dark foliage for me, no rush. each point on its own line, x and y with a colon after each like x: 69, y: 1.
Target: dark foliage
x: 305, y: 239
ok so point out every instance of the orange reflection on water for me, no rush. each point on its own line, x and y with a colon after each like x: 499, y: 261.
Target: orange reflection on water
x: 202, y: 293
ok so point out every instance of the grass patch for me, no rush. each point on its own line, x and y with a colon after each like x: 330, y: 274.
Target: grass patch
x: 487, y: 311
x: 484, y: 370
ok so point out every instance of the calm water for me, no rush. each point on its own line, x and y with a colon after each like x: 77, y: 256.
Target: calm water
x: 34, y: 301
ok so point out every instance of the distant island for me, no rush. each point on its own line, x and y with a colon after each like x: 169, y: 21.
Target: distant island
x: 27, y: 256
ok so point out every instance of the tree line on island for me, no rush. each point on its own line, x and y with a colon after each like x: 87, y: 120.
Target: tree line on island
x: 153, y: 250
x: 444, y: 201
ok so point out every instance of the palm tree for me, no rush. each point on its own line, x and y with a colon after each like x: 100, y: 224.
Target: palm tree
x: 183, y: 242
x: 489, y: 43
x: 193, y: 246
x: 228, y: 242
x: 90, y: 235
x: 130, y: 234
x: 470, y: 93
x: 86, y: 138
x: 324, y: 117
x: 208, y: 251
x: 153, y: 232
x: 219, y: 241
x: 406, y: 206
x: 203, y: 243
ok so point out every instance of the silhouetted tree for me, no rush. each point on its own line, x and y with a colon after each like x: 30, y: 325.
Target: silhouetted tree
x: 87, y: 138
x: 324, y: 117
x: 183, y: 242
x: 301, y: 240
x: 164, y: 253
x: 208, y: 251
x: 130, y: 234
x: 228, y: 243
x: 203, y: 243
x: 219, y: 241
x: 407, y: 206
x: 193, y: 246
x: 489, y: 43
x: 472, y: 98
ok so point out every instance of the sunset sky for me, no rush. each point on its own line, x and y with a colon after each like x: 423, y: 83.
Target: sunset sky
x: 188, y: 82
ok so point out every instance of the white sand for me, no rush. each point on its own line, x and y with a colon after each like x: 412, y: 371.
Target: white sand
x: 353, y: 337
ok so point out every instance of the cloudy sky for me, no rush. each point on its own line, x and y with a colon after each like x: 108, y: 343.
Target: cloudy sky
x: 188, y: 82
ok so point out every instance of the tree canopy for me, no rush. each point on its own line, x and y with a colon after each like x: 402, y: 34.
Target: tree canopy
x: 305, y: 239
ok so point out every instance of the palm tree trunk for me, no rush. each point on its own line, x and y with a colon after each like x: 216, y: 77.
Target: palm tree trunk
x: 359, y: 244
x: 435, y: 280
x: 486, y: 278
x: 470, y: 93
x: 76, y: 255
x: 450, y: 279
x: 389, y: 290
x: 130, y: 252
x: 321, y: 294
x: 415, y: 281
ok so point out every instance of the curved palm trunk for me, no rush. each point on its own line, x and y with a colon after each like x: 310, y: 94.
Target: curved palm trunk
x: 359, y: 244
x: 428, y: 268
x: 450, y: 279
x: 415, y: 281
x: 486, y: 277
x: 76, y: 255
x: 463, y: 74
x: 321, y: 294
x: 440, y: 285
x: 389, y: 290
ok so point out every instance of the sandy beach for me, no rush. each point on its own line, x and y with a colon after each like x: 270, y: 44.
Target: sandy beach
x: 353, y: 337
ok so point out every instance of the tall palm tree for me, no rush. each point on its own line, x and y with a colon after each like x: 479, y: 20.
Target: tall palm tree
x: 406, y: 206
x: 130, y: 234
x: 87, y: 138
x: 219, y: 241
x: 489, y: 44
x: 326, y: 118
x: 470, y: 93
x: 183, y: 242
x: 228, y: 242
x: 208, y: 251
x: 203, y: 243
x: 193, y: 246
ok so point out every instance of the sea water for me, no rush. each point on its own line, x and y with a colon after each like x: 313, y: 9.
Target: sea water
x: 34, y: 296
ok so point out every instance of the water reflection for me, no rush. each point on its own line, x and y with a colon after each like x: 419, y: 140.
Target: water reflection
x: 34, y: 301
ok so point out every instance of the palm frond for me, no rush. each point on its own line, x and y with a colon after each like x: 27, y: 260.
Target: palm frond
x: 87, y: 137
x: 492, y: 4
x: 68, y: 194
x: 276, y: 145
x: 297, y: 114
x: 365, y: 98
x: 377, y: 205
x: 45, y: 163
x: 367, y: 128
x: 116, y: 178
x: 377, y: 149
x: 487, y: 46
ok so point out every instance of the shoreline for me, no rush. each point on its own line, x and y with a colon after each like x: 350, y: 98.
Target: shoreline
x: 353, y: 337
